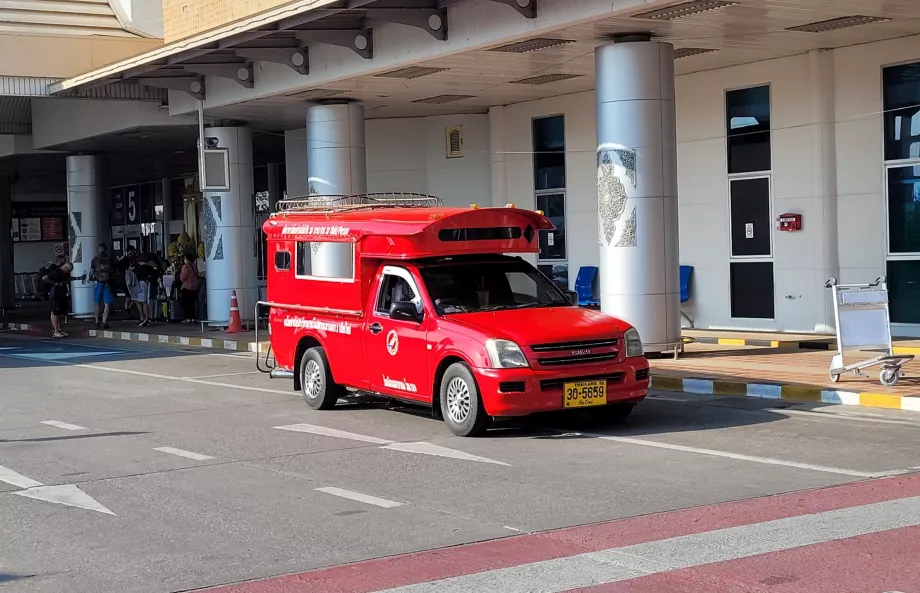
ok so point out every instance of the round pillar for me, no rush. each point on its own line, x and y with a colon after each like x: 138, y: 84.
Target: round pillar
x: 88, y: 222
x: 230, y: 234
x: 637, y: 188
x: 336, y: 166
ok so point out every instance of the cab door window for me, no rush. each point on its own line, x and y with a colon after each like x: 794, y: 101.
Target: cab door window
x: 394, y: 289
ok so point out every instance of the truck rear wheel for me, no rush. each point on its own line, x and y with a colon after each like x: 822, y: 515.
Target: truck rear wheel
x: 319, y: 389
x: 461, y: 404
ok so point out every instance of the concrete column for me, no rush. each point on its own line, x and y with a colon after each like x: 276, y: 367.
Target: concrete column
x: 824, y: 174
x: 229, y: 230
x: 295, y: 162
x: 336, y: 165
x: 88, y: 216
x: 7, y: 278
x: 637, y: 187
x: 497, y: 154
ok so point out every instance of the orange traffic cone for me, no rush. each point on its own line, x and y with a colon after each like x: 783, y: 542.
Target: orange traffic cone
x: 236, y: 324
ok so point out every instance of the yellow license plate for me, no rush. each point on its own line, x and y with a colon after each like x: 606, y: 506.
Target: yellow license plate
x: 584, y: 393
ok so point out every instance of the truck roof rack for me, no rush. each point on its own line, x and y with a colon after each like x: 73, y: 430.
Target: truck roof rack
x: 340, y: 203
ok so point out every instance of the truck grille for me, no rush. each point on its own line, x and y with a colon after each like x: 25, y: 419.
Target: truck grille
x: 576, y: 352
x: 549, y: 384
x: 605, y: 343
x: 579, y: 358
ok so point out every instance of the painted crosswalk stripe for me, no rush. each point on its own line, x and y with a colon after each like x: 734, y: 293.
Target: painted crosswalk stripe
x: 614, y: 565
x: 63, y: 425
x: 359, y: 497
x: 439, y: 451
x: 333, y: 432
x: 183, y: 453
x: 16, y: 479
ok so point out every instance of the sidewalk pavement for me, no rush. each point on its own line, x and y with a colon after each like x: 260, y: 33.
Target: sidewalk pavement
x: 732, y: 369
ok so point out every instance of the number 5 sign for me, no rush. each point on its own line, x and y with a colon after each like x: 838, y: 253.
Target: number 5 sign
x: 131, y: 208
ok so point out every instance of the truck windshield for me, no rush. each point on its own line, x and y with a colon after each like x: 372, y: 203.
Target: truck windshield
x: 469, y: 287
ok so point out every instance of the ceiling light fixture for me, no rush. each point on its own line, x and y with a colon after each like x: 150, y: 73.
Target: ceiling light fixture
x: 669, y: 13
x: 411, y: 72
x: 536, y: 44
x: 844, y: 22
x: 545, y: 79
x: 441, y: 99
x: 686, y: 52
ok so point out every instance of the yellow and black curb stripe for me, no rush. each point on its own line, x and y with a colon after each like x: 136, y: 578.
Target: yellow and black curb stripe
x: 816, y: 344
x: 216, y: 344
x: 799, y: 393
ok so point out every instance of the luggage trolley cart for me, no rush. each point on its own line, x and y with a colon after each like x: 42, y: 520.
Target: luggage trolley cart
x: 861, y: 315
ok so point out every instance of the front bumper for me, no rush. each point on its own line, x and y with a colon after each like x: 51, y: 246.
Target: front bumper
x: 541, y: 391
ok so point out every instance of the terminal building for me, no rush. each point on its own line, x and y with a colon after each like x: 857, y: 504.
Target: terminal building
x: 768, y: 144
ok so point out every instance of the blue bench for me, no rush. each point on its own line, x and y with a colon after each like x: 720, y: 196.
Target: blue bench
x: 686, y: 273
x: 586, y: 286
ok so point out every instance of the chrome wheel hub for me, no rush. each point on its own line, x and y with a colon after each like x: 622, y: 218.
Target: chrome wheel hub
x: 459, y: 400
x: 312, y: 381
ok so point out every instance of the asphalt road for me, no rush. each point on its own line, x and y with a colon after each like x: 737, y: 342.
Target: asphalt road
x: 153, y: 468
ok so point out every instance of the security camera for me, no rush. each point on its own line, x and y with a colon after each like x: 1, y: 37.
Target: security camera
x: 212, y: 142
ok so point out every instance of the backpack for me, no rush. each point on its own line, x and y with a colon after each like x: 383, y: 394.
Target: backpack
x: 102, y: 273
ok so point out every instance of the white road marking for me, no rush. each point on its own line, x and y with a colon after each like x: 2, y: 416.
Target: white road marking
x: 871, y: 418
x: 511, y: 528
x: 64, y: 425
x: 67, y: 494
x: 333, y: 432
x: 359, y: 497
x: 615, y: 565
x: 183, y: 453
x: 223, y: 375
x: 752, y: 458
x: 16, y: 479
x: 439, y: 451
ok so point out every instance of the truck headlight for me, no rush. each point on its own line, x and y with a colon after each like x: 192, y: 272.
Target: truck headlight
x: 505, y: 354
x: 633, y: 343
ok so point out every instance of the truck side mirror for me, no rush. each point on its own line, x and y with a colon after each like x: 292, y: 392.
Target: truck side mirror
x: 572, y: 296
x: 405, y: 311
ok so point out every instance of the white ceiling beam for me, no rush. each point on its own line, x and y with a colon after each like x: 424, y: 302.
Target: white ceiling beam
x: 298, y: 59
x: 431, y: 20
x: 360, y: 41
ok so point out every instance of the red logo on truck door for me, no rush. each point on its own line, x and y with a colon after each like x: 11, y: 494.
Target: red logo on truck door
x: 392, y: 342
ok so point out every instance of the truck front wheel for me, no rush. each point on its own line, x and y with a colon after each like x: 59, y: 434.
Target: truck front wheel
x: 461, y: 405
x: 319, y: 389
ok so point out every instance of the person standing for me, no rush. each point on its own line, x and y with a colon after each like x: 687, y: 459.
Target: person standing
x: 103, y: 296
x: 59, y: 279
x: 145, y: 269
x: 188, y: 277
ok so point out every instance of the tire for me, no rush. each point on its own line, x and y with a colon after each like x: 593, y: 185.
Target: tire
x: 889, y: 377
x: 317, y: 386
x: 834, y: 377
x: 461, y: 404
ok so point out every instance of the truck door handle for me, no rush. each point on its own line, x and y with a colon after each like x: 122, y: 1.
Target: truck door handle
x: 375, y: 328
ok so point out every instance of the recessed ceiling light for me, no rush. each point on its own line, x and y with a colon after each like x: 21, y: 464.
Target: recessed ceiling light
x: 686, y: 52
x: 669, y: 13
x: 844, y: 22
x: 536, y: 44
x: 314, y: 94
x: 441, y: 99
x: 545, y: 79
x: 411, y: 72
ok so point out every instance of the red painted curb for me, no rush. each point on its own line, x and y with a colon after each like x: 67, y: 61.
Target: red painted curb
x: 396, y: 571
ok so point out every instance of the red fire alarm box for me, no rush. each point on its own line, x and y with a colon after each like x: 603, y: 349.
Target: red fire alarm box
x: 789, y: 222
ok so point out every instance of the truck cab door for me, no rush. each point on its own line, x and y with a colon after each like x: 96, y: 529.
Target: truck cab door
x: 396, y: 346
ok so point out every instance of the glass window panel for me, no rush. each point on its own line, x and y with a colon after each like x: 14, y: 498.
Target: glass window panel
x: 552, y: 243
x: 751, y: 228
x: 558, y: 273
x: 752, y: 290
x: 549, y: 152
x: 904, y: 209
x: 901, y: 98
x: 904, y: 291
x: 747, y: 114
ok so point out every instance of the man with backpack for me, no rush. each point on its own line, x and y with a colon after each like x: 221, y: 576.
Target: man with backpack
x: 58, y: 278
x: 103, y: 295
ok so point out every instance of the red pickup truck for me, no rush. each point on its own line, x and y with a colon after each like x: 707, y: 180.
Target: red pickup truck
x: 400, y: 297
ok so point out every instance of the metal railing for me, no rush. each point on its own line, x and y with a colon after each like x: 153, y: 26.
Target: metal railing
x: 337, y: 203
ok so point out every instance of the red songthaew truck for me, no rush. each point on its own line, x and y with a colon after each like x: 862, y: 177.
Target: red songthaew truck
x: 395, y: 295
